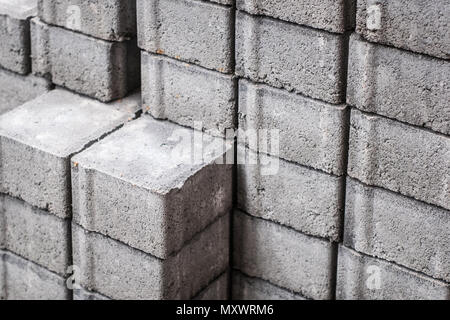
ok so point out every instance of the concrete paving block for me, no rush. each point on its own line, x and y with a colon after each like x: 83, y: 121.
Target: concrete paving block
x: 310, y: 132
x: 331, y: 15
x: 23, y: 280
x: 121, y: 272
x: 97, y: 68
x: 307, y: 200
x: 188, y: 95
x: 35, y: 234
x: 216, y: 290
x: 284, y: 257
x: 296, y: 58
x: 248, y: 288
x: 361, y: 277
x: 15, y: 34
x: 387, y: 225
x: 38, y: 139
x: 398, y: 84
x: 151, y: 186
x: 113, y: 20
x: 416, y: 25
x: 194, y: 31
x: 16, y: 89
x: 399, y: 157
x: 83, y: 294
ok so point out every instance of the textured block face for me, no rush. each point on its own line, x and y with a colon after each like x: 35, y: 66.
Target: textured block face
x: 283, y: 55
x: 113, y: 20
x: 121, y: 272
x: 82, y: 294
x: 93, y: 67
x: 38, y: 138
x: 217, y: 290
x: 311, y: 132
x: 283, y: 257
x: 24, y: 280
x: 34, y: 234
x: 16, y: 89
x: 397, y: 84
x: 304, y: 199
x: 361, y: 277
x: 197, y: 32
x: 401, y: 158
x: 396, y: 228
x: 247, y: 288
x: 187, y: 94
x: 416, y: 25
x: 142, y: 186
x: 14, y: 34
x: 330, y: 15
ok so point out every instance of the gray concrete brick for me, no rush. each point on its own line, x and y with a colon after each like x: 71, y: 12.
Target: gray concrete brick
x: 194, y: 31
x: 361, y: 277
x: 311, y: 132
x: 16, y: 89
x: 34, y: 234
x: 216, y: 290
x: 416, y: 25
x: 305, y: 199
x: 38, y: 138
x: 331, y: 15
x: 23, y: 280
x: 398, y: 84
x: 247, y: 288
x: 153, y: 198
x: 399, y: 157
x: 113, y: 20
x: 282, y: 256
x: 121, y: 272
x: 187, y: 94
x: 15, y: 34
x: 284, y: 55
x: 387, y: 225
x: 97, y: 68
x: 83, y: 294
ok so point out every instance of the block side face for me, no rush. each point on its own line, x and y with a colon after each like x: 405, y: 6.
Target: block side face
x: 24, y: 280
x: 381, y: 223
x: 401, y: 158
x: 296, y: 58
x: 247, y: 288
x: 282, y: 256
x: 188, y: 95
x: 35, y: 235
x: 360, y: 277
x: 112, y: 20
x: 400, y: 23
x: 310, y: 132
x: 206, y: 31
x: 217, y: 290
x: 421, y: 93
x: 328, y: 15
x: 18, y: 9
x: 15, y: 89
x: 85, y: 295
x: 15, y: 48
x: 302, y: 198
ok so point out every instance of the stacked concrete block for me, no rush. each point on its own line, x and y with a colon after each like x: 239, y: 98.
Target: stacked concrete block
x: 396, y: 234
x: 188, y: 63
x: 87, y: 47
x: 16, y: 85
x: 293, y: 128
x: 151, y: 212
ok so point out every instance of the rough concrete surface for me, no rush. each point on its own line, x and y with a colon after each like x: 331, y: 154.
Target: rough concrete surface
x: 38, y: 138
x: 282, y: 256
x: 216, y: 290
x: 188, y: 95
x: 361, y: 277
x: 141, y: 186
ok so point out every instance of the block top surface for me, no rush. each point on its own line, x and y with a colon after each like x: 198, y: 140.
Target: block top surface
x: 156, y: 155
x: 19, y: 9
x: 62, y: 123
